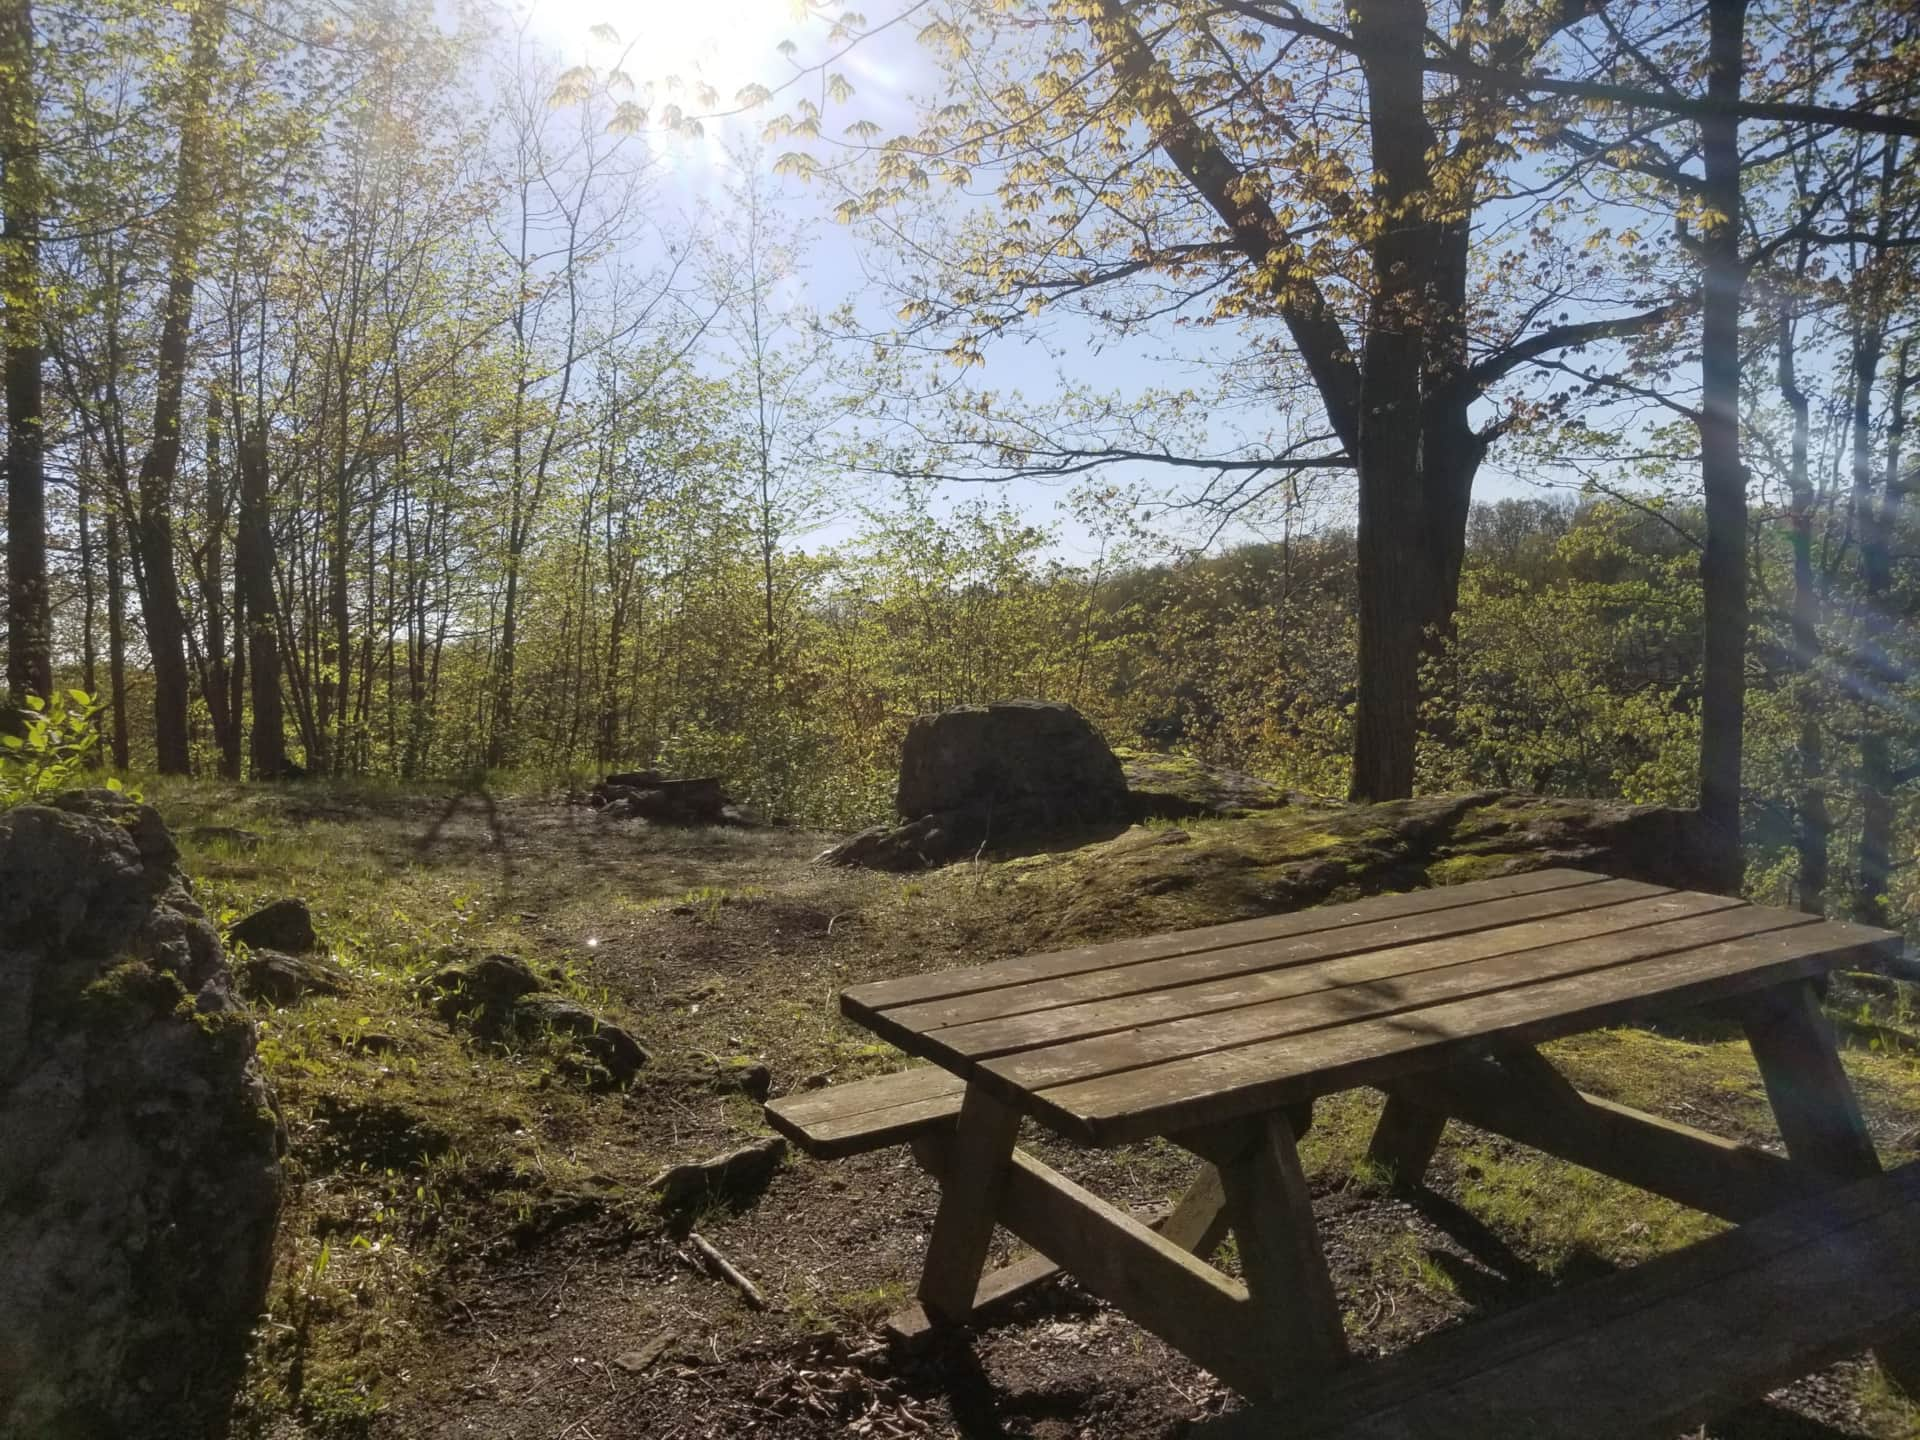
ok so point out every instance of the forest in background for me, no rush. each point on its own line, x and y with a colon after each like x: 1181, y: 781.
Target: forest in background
x: 370, y: 414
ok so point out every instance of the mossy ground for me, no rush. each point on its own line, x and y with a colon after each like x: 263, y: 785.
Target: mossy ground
x: 470, y: 1247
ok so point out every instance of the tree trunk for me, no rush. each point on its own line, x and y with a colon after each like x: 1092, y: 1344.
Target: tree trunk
x: 216, y: 681
x: 1723, y: 567
x: 1401, y: 564
x: 1812, y: 823
x: 500, y: 736
x: 29, y: 620
x: 116, y: 638
x: 1882, y: 674
x: 89, y: 584
x: 166, y: 624
x: 253, y: 571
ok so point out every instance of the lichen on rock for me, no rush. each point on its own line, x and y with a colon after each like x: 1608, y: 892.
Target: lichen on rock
x: 139, y: 1148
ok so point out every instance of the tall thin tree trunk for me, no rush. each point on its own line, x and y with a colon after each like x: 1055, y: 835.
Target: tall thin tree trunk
x: 166, y: 623
x: 217, y: 679
x: 1812, y: 823
x: 1723, y: 567
x: 89, y: 583
x: 116, y: 638
x: 253, y: 571
x: 1882, y: 673
x: 29, y: 619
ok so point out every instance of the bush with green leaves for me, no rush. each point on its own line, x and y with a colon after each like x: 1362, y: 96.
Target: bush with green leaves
x: 50, y: 748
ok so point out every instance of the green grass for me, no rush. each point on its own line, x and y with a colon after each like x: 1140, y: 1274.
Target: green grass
x: 417, y: 1149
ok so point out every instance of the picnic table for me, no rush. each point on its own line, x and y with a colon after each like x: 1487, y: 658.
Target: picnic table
x: 1220, y: 1040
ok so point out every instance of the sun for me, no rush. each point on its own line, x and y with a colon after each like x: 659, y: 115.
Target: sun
x: 722, y: 43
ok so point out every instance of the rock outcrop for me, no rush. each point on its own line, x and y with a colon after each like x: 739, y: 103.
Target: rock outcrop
x: 989, y: 778
x: 500, y: 999
x: 139, y: 1149
x: 278, y: 925
x: 282, y: 979
x: 1289, y: 857
x: 993, y: 775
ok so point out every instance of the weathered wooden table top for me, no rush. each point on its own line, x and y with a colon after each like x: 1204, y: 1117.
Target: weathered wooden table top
x: 1119, y: 1042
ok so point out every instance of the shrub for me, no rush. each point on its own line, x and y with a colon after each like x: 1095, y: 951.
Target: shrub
x: 50, y: 749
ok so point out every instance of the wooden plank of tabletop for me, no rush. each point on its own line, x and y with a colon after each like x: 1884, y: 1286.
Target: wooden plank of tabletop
x: 1165, y: 1098
x: 912, y: 989
x: 1003, y: 1035
x: 1371, y: 998
x: 906, y: 1024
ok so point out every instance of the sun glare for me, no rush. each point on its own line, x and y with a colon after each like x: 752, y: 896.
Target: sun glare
x: 722, y: 43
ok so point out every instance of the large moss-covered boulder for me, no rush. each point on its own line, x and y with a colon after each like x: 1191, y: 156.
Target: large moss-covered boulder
x: 139, y: 1150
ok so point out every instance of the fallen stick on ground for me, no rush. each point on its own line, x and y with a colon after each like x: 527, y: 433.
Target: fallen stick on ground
x: 726, y: 1270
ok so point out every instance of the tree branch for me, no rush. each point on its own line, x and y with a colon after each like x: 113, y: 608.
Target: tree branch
x: 1860, y: 120
x: 1505, y: 361
x: 1256, y: 230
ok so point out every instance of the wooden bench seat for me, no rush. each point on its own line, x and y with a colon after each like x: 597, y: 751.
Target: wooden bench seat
x: 1652, y: 1351
x: 865, y: 1115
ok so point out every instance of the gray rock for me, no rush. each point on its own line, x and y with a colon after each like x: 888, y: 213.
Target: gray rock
x: 499, y: 998
x: 990, y: 775
x: 609, y: 1047
x: 482, y: 991
x: 748, y: 1077
x: 282, y: 925
x: 634, y: 1362
x: 735, y: 1075
x: 282, y: 979
x: 632, y: 779
x: 734, y: 1174
x: 930, y: 840
x: 1033, y: 764
x: 644, y: 795
x: 139, y: 1150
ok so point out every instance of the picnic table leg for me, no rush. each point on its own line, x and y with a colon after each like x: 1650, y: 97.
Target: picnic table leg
x: 1819, y: 1116
x: 1271, y: 1213
x: 1405, y: 1138
x: 1197, y: 1224
x: 1813, y: 1102
x: 970, y: 1190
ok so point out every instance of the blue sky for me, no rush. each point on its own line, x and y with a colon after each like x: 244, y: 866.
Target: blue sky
x: 730, y: 43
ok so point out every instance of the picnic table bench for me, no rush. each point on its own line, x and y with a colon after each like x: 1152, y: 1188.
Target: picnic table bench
x: 1220, y: 1040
